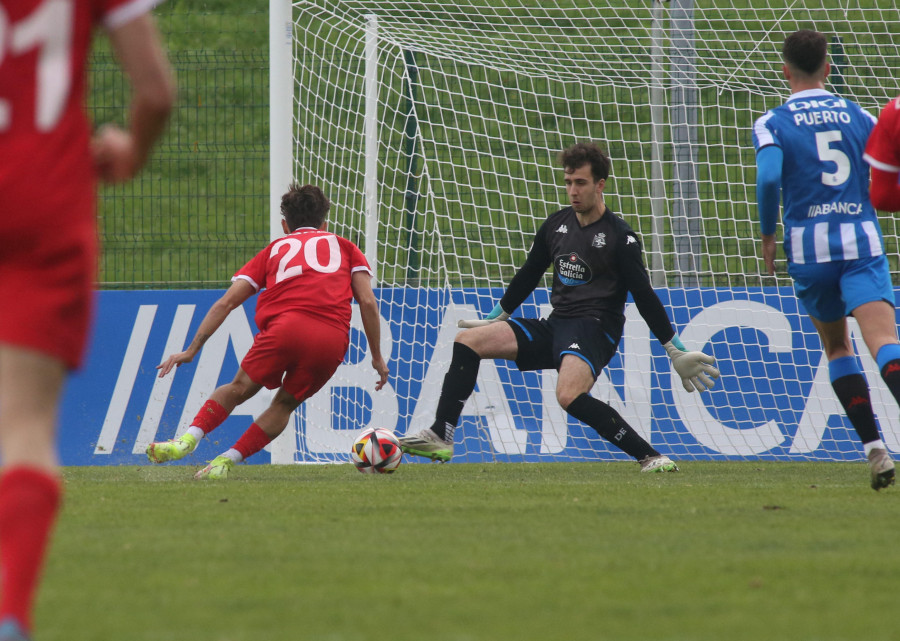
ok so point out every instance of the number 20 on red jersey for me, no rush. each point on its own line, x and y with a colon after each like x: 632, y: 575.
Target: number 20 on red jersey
x: 292, y: 263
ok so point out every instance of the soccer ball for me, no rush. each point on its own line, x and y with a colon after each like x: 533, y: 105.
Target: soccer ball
x: 376, y: 451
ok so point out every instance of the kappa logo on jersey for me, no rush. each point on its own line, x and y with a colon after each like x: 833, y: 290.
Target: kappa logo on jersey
x: 573, y: 346
x: 630, y: 239
x: 562, y: 229
x: 572, y: 270
x: 599, y: 240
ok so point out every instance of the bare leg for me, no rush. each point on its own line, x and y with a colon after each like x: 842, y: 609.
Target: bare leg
x: 239, y: 390
x: 30, y: 388
x: 275, y: 418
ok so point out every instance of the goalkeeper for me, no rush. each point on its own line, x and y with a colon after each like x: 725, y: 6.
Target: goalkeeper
x: 596, y: 260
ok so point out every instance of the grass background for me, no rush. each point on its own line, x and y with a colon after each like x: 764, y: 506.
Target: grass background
x: 463, y: 552
x: 200, y: 210
x: 458, y: 552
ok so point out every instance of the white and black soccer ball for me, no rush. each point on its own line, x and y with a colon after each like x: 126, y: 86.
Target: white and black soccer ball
x: 376, y: 451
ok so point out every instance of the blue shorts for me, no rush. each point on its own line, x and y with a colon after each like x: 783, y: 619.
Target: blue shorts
x: 830, y: 291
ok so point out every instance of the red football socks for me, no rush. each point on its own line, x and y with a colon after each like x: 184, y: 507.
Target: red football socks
x: 29, y: 501
x: 252, y: 441
x: 210, y: 416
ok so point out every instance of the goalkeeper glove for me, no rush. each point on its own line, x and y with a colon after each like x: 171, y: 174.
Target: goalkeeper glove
x: 695, y: 368
x: 497, y: 314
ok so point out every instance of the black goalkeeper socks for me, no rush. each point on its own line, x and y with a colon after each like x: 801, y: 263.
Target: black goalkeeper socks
x: 459, y: 383
x: 610, y: 425
x: 853, y: 393
x: 890, y: 373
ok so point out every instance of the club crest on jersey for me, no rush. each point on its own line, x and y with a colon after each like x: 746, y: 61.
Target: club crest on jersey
x: 599, y: 240
x: 572, y: 270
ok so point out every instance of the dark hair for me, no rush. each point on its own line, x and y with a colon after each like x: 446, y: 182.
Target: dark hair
x: 304, y: 206
x: 805, y: 51
x: 586, y: 153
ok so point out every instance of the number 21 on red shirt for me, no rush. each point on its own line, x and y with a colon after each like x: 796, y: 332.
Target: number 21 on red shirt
x: 49, y: 29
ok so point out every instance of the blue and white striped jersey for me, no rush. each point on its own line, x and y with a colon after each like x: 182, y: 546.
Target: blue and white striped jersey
x: 824, y: 180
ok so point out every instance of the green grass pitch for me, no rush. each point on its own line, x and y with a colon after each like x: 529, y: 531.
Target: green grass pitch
x: 464, y: 552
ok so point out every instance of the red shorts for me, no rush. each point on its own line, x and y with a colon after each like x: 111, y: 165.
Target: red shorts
x: 296, y: 352
x: 47, y: 288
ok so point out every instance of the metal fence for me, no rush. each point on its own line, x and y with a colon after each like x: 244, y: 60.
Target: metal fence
x: 199, y: 209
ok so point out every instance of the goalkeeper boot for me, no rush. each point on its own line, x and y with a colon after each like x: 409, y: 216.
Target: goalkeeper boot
x: 658, y: 464
x: 217, y: 469
x: 882, y: 468
x: 171, y: 450
x: 428, y: 444
x: 10, y: 630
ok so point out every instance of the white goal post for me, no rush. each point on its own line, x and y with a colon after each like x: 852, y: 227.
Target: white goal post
x: 434, y: 129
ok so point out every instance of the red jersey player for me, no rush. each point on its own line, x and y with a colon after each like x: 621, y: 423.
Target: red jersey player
x: 49, y: 165
x: 307, y: 279
x: 883, y: 154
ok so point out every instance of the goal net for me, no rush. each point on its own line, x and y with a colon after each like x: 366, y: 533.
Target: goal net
x: 434, y: 128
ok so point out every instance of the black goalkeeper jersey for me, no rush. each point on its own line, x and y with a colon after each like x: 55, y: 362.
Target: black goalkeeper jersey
x: 594, y: 268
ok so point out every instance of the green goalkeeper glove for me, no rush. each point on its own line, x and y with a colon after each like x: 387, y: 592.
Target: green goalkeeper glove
x: 497, y: 314
x: 695, y: 368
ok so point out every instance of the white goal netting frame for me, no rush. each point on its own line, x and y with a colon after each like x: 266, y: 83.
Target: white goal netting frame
x: 434, y: 129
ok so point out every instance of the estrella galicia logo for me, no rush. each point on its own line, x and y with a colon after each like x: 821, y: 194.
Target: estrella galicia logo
x: 572, y: 270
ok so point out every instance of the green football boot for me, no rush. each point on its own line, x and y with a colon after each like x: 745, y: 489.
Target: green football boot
x: 171, y: 450
x: 428, y: 444
x: 656, y: 464
x: 217, y: 469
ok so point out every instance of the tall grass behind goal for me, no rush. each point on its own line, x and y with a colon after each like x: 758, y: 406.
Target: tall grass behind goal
x: 434, y: 128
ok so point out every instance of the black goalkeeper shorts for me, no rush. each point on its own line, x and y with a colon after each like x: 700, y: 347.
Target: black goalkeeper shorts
x: 542, y: 343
